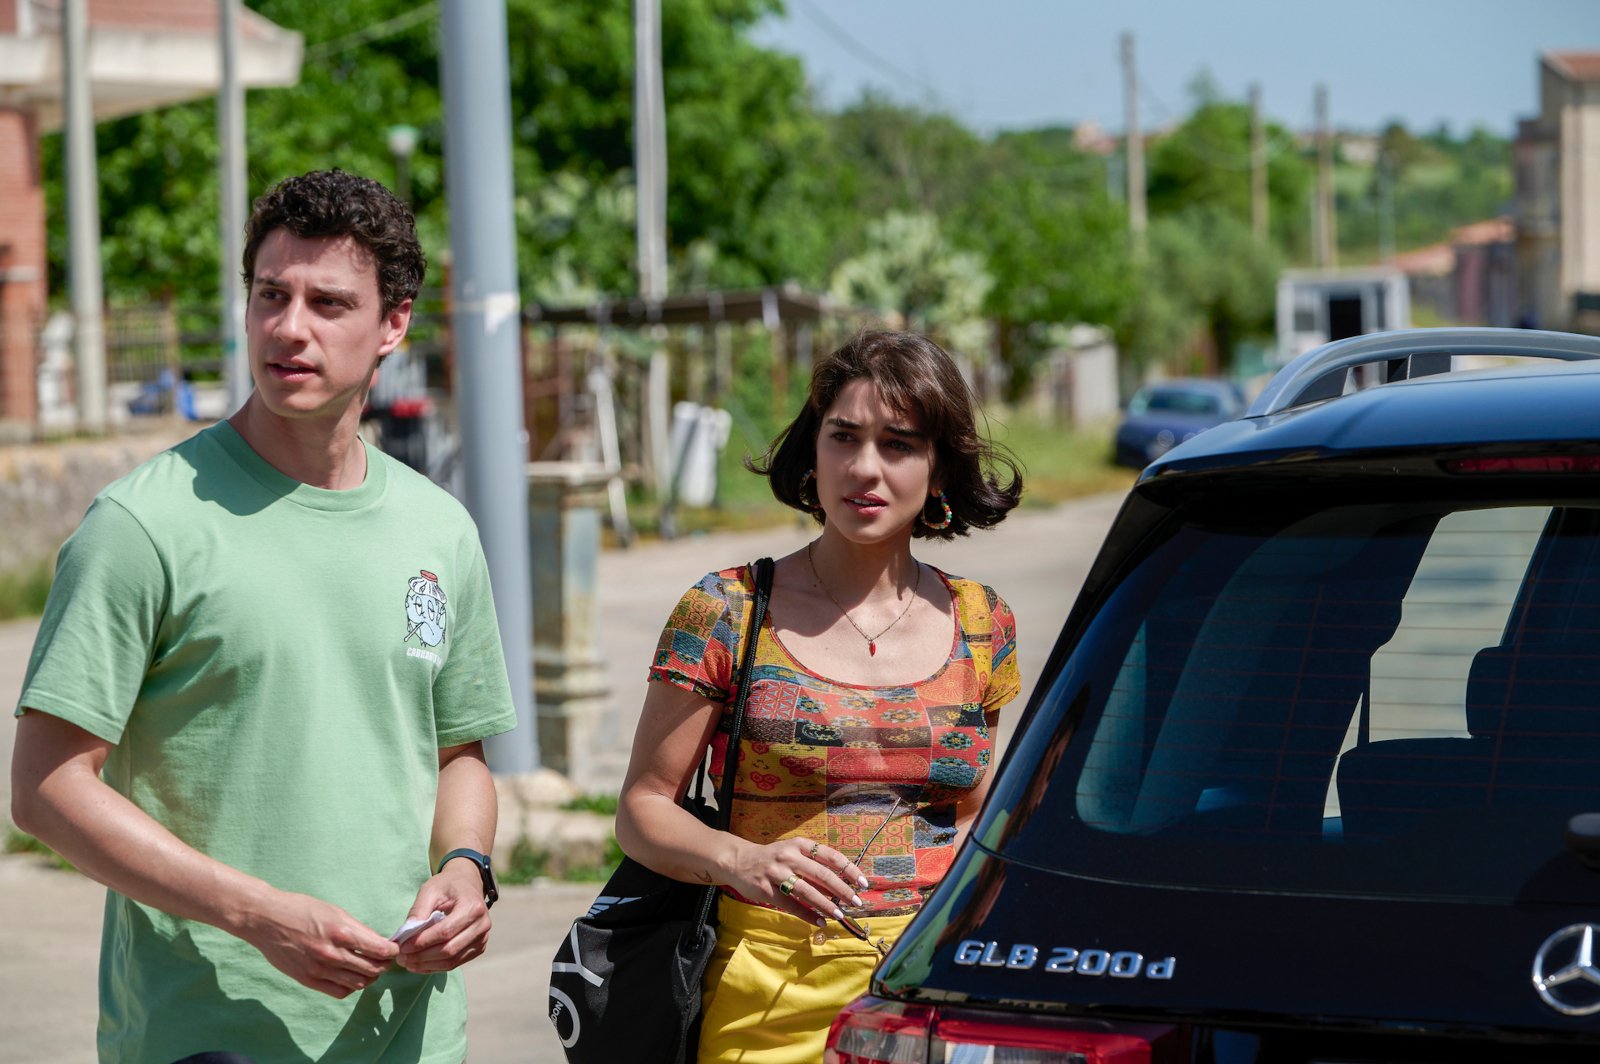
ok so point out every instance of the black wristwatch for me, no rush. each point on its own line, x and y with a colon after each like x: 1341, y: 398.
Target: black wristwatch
x: 491, y: 893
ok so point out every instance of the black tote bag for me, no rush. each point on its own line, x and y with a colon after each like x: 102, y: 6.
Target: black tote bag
x: 625, y: 982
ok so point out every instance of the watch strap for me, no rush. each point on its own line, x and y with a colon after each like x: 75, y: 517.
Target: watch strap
x: 491, y: 893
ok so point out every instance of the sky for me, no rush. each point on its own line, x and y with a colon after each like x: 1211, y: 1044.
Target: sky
x: 1018, y: 64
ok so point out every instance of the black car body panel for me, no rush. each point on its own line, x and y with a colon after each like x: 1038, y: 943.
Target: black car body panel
x: 1466, y: 410
x: 1254, y: 960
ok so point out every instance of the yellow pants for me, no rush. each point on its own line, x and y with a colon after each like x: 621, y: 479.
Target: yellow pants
x: 775, y: 984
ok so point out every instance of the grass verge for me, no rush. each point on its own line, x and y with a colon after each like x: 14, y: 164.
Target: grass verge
x: 23, y: 591
x: 528, y: 862
x: 22, y: 842
x: 1058, y: 463
x: 605, y: 804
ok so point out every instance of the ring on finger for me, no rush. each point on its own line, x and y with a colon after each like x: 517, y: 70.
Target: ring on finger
x: 812, y: 853
x: 787, y: 886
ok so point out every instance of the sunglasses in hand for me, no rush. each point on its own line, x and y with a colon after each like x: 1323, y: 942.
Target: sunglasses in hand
x: 849, y: 923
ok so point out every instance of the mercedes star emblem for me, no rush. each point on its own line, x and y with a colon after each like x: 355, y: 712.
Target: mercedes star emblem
x: 1564, y: 971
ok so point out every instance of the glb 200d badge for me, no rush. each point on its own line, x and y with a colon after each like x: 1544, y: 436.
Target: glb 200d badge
x: 1063, y: 960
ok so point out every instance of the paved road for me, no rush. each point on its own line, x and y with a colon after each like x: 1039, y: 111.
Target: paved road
x: 1037, y: 560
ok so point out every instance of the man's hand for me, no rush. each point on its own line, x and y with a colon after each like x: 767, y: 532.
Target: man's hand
x: 463, y: 934
x: 320, y: 945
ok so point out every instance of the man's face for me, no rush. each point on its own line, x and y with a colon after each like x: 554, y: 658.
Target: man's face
x: 314, y: 325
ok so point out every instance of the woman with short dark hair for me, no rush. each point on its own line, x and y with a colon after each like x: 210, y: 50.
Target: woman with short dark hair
x: 875, y: 688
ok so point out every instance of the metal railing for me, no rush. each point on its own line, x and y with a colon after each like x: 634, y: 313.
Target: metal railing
x: 1323, y: 372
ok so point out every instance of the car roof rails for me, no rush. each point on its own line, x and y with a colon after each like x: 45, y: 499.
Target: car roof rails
x: 1322, y: 372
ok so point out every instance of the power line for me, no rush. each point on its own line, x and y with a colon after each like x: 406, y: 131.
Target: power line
x: 861, y: 51
x: 375, y: 32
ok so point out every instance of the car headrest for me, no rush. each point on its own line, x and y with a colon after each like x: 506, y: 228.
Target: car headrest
x: 1535, y: 691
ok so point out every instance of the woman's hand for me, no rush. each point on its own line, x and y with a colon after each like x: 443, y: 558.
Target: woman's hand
x: 798, y: 876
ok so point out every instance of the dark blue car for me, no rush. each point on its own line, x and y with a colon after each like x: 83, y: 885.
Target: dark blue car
x: 1160, y: 416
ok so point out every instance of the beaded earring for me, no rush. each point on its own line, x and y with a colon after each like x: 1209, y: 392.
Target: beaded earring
x: 944, y: 503
x: 812, y: 503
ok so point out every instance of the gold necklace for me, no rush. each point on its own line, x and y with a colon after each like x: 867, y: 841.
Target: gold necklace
x: 872, y: 640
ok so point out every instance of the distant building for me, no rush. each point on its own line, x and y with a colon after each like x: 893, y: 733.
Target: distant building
x: 1431, y: 272
x: 1558, y: 197
x: 1485, y: 273
x: 142, y: 54
x: 1470, y: 279
x: 1316, y: 307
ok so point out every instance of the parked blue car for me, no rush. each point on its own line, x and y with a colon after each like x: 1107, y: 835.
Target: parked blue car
x: 1160, y: 416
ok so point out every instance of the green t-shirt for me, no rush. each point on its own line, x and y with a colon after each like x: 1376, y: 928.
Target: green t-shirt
x: 277, y: 666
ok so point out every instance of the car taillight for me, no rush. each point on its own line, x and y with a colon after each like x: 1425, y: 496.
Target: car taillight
x: 874, y: 1031
x: 1545, y: 463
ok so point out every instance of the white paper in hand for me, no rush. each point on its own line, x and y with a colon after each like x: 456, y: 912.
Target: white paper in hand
x: 411, y: 927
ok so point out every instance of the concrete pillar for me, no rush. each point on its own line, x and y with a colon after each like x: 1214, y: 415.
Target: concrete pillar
x: 566, y: 504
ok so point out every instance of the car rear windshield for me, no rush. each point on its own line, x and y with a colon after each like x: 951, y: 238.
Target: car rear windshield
x: 1400, y: 698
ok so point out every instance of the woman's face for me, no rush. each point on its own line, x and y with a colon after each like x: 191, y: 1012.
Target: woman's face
x: 874, y: 466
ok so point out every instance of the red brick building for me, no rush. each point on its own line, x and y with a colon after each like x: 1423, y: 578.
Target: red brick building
x: 142, y: 54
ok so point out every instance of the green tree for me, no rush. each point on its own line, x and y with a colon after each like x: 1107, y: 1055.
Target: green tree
x: 908, y: 271
x: 1206, y: 161
x: 1399, y: 149
x: 1207, y: 284
x: 1435, y: 183
x: 894, y: 157
x: 1057, y: 245
x: 739, y: 127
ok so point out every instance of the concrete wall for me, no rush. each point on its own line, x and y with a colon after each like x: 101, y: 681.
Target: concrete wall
x: 44, y: 488
x: 1076, y: 384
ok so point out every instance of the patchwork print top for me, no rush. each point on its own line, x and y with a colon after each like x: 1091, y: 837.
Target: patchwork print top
x: 828, y: 760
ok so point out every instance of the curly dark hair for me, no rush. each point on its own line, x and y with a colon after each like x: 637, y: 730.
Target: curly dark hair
x: 326, y: 203
x: 917, y: 378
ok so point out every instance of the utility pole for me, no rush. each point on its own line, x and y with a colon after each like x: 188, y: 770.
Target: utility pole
x: 1327, y: 238
x: 230, y: 137
x: 486, y: 323
x: 1385, y: 207
x: 650, y: 150
x: 1258, y: 167
x: 1133, y: 145
x: 83, y: 220
x: 650, y: 166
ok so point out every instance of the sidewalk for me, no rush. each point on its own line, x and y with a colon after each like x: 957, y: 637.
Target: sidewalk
x: 47, y: 980
x: 1037, y: 560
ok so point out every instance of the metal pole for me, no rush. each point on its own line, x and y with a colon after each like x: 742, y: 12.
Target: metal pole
x: 230, y: 138
x: 487, y: 309
x: 1327, y: 239
x: 1258, y: 167
x: 650, y: 149
x: 1134, y: 144
x: 83, y: 221
x: 650, y: 163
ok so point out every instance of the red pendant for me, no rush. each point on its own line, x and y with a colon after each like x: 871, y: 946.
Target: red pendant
x: 872, y: 649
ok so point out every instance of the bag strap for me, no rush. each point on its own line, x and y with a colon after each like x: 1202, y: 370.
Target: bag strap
x: 763, y: 569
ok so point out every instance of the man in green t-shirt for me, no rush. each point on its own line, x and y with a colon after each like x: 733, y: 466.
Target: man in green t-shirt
x: 256, y: 704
